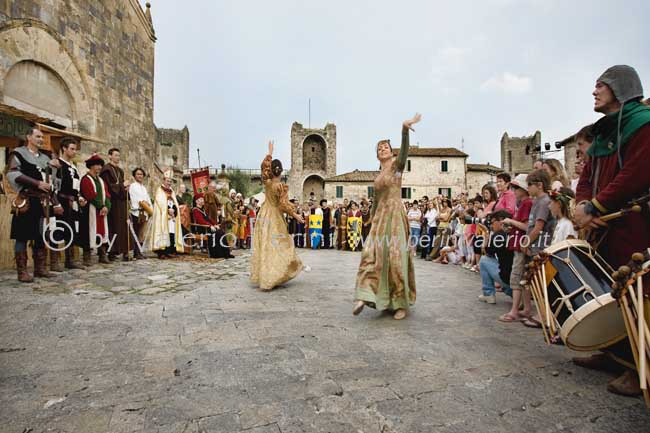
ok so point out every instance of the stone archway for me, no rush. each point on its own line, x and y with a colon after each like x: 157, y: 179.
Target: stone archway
x: 33, y: 87
x: 314, y: 153
x: 313, y: 184
x: 37, y: 52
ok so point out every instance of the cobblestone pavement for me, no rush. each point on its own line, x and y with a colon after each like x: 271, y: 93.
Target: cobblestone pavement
x: 181, y: 346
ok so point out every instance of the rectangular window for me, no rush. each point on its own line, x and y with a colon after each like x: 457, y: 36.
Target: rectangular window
x: 339, y: 192
x: 406, y: 192
x: 371, y: 191
x: 444, y: 166
x: 445, y: 191
x: 408, y: 165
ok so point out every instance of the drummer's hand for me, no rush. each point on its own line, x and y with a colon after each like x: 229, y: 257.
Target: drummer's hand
x: 585, y: 220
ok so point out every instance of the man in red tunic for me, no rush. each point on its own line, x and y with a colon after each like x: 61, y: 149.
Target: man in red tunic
x: 94, y: 231
x: 616, y: 173
x: 217, y: 243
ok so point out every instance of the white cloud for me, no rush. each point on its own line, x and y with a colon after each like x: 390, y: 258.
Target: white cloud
x: 508, y: 83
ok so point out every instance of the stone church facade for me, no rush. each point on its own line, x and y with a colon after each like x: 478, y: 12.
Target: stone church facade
x: 86, y: 67
x: 83, y: 68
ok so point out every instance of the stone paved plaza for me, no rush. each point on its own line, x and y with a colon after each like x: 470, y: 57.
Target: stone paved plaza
x: 190, y: 346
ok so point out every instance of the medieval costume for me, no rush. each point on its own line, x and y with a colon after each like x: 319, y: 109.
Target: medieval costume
x: 141, y: 212
x: 217, y: 245
x: 616, y: 173
x: 69, y: 185
x: 341, y: 229
x: 118, y: 216
x: 354, y: 229
x: 327, y: 219
x: 274, y: 260
x: 252, y: 215
x: 227, y: 214
x: 31, y: 209
x: 365, y: 218
x: 386, y: 280
x: 212, y: 205
x: 94, y: 230
x: 165, y: 232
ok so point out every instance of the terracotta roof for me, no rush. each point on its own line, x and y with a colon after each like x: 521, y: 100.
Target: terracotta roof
x: 433, y: 151
x: 355, y: 176
x: 483, y: 167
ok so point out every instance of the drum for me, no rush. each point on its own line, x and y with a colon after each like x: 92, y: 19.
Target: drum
x: 577, y: 285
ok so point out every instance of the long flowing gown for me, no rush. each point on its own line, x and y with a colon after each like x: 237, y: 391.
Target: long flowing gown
x: 274, y: 259
x: 385, y: 279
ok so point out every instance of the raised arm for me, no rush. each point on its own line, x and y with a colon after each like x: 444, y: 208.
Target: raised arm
x: 266, y: 164
x: 404, y: 148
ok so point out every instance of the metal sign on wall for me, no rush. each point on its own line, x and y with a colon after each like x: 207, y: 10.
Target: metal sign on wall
x: 11, y: 126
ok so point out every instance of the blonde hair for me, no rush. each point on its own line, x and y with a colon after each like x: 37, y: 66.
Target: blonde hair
x: 559, y: 173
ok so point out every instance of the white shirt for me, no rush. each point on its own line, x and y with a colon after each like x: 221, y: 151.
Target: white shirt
x: 318, y: 211
x: 431, y: 216
x: 414, y: 213
x: 171, y: 222
x: 563, y: 229
x: 138, y: 193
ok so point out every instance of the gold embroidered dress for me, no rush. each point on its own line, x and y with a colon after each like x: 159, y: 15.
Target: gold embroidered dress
x: 385, y: 279
x: 274, y: 259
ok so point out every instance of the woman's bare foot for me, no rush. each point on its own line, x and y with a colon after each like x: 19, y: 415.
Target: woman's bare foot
x: 399, y: 314
x: 358, y: 307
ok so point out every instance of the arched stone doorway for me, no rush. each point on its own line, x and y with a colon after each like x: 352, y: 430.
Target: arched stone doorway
x: 35, y: 88
x: 313, y: 184
x: 314, y: 153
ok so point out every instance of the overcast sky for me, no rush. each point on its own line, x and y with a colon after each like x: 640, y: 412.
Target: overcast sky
x: 238, y: 73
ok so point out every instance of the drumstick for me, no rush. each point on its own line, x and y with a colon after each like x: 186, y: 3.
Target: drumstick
x: 644, y: 328
x: 622, y: 212
x: 641, y: 321
x: 544, y: 287
x: 538, y: 304
x: 628, y: 319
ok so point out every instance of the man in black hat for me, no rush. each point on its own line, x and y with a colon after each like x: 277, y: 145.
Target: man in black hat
x: 94, y: 231
x: 615, y: 174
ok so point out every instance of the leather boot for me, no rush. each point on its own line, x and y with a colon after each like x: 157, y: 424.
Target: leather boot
x: 599, y: 361
x: 627, y: 384
x: 87, y: 258
x: 21, y: 267
x: 40, y: 267
x: 102, y: 255
x: 55, y: 261
x: 69, y: 259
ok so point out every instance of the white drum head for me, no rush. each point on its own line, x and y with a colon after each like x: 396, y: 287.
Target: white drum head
x: 594, y: 326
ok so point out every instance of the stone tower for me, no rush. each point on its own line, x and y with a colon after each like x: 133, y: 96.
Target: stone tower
x: 514, y: 157
x: 313, y: 159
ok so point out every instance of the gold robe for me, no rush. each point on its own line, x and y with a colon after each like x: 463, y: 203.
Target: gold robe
x: 274, y: 260
x: 158, y: 231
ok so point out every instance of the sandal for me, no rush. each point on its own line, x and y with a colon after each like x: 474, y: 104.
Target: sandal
x: 507, y: 318
x: 531, y: 323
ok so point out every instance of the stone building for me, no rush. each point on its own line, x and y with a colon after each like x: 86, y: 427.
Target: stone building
x: 173, y: 147
x: 313, y: 159
x: 479, y: 175
x: 429, y: 171
x: 82, y: 68
x: 518, y: 154
x: 433, y: 171
x: 354, y: 185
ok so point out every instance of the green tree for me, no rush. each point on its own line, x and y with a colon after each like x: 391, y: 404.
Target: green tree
x: 240, y: 181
